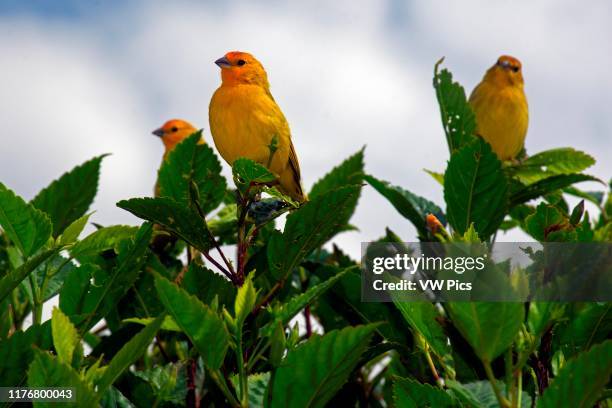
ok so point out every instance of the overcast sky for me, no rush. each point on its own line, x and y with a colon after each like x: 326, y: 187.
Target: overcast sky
x: 79, y: 79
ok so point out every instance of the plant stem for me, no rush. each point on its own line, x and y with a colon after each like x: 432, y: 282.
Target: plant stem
x: 36, y: 304
x: 220, y: 381
x: 516, y: 397
x: 431, y: 364
x: 503, y: 402
x: 242, y: 374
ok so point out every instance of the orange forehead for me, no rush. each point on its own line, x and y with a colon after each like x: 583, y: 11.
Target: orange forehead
x: 237, y: 55
x: 176, y: 123
x: 509, y: 61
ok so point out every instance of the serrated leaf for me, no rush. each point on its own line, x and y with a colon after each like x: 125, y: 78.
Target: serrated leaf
x: 191, y: 162
x: 109, y: 287
x: 46, y: 371
x: 102, y: 240
x: 247, y: 172
x: 69, y: 197
x: 257, y: 385
x: 458, y: 119
x: 75, y: 288
x: 314, y: 371
x: 179, y: 219
x: 204, y: 327
x: 475, y: 189
x: 72, y: 231
x: 245, y: 301
x: 590, y: 324
x: 128, y: 354
x: 348, y: 172
x: 294, y: 305
x: 409, y: 205
x: 563, y: 160
x: 545, y: 218
x: 26, y: 226
x: 310, y: 227
x: 65, y: 336
x: 547, y: 186
x: 13, y: 278
x: 480, y: 394
x: 421, y: 316
x: 206, y: 285
x: 490, y: 328
x: 409, y: 393
x: 581, y: 380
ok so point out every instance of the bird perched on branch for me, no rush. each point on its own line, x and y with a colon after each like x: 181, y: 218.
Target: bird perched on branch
x: 500, y: 105
x: 171, y: 133
x: 245, y: 121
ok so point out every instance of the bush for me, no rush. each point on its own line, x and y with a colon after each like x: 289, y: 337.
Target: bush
x: 137, y: 325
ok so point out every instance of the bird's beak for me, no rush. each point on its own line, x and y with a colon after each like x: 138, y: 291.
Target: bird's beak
x: 223, y: 63
x: 158, y: 132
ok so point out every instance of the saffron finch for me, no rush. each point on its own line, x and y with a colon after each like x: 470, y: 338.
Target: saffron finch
x: 172, y: 133
x: 500, y: 105
x: 245, y: 121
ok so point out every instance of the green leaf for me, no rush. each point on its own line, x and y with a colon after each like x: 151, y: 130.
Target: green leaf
x: 590, y: 324
x: 13, y: 278
x: 310, y: 227
x: 294, y: 305
x: 102, y: 240
x: 206, y: 285
x: 247, y: 172
x: 128, y: 354
x: 65, y: 336
x: 245, y: 301
x: 564, y: 160
x: 168, y: 323
x: 72, y: 232
x: 109, y: 288
x: 409, y: 205
x: 192, y: 162
x: 46, y: 371
x: 439, y: 177
x: 421, y: 316
x: 27, y: 227
x: 348, y: 172
x: 314, y: 371
x: 409, y: 393
x: 75, y: 288
x: 480, y: 394
x: 204, y: 327
x: 581, y: 380
x: 490, y: 328
x: 458, y: 119
x: 546, y: 218
x: 69, y: 197
x: 547, y: 186
x: 179, y: 219
x: 475, y: 189
x: 16, y: 353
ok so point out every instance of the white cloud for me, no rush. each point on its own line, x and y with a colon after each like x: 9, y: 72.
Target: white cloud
x: 345, y: 76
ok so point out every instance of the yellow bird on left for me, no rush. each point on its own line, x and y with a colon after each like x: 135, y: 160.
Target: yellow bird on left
x: 172, y: 133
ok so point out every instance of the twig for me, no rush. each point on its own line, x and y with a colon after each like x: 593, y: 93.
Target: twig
x: 308, y: 323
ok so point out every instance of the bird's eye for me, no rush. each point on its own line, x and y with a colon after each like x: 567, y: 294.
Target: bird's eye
x: 174, y: 129
x: 241, y: 62
x: 515, y: 69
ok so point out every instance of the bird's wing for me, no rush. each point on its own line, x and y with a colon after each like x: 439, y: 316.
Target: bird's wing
x: 294, y: 163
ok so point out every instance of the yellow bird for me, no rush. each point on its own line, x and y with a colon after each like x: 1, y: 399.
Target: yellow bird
x: 245, y: 120
x: 500, y: 105
x: 172, y: 133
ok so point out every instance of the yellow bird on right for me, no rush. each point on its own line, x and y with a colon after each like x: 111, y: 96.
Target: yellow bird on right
x: 500, y: 106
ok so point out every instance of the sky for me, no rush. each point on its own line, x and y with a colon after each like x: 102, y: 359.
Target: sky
x: 83, y: 78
